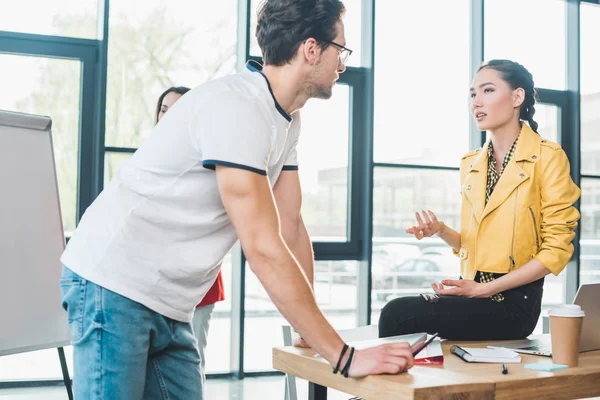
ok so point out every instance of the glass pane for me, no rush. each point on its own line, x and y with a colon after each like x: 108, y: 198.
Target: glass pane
x: 352, y: 29
x: 112, y: 162
x: 336, y: 292
x: 546, y: 115
x: 402, y: 265
x: 34, y: 365
x: 218, y: 348
x: 154, y: 45
x: 323, y: 160
x: 72, y: 18
x: 421, y: 96
x: 512, y: 32
x: 590, y: 90
x: 42, y: 82
x: 590, y: 231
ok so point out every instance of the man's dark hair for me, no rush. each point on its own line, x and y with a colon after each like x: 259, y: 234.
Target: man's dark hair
x: 284, y: 24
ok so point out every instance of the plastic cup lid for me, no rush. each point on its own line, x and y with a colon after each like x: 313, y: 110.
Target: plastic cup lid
x: 567, y: 310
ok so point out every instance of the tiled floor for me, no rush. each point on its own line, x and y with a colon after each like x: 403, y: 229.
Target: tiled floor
x: 216, y: 389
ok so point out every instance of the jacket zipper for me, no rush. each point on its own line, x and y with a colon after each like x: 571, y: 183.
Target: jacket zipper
x: 473, y: 216
x: 512, y: 243
x: 472, y: 207
x: 537, y: 238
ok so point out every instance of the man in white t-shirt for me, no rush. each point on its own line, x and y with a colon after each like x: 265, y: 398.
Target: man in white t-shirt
x: 220, y: 166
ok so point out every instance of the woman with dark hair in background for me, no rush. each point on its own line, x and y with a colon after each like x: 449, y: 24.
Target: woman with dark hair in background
x: 517, y: 222
x: 204, y: 309
x: 167, y: 99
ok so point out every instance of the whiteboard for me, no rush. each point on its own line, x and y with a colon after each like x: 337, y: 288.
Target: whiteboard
x: 31, y: 237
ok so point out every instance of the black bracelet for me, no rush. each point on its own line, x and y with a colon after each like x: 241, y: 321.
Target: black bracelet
x: 348, y: 362
x: 337, y: 367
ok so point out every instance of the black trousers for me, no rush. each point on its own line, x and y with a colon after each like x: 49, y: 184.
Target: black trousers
x: 461, y: 318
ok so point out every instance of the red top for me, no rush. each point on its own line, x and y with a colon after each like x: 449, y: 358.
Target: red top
x: 215, y: 293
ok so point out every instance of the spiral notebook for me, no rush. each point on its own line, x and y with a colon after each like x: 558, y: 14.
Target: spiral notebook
x: 483, y: 355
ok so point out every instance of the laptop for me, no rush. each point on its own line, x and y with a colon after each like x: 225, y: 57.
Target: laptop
x: 588, y: 298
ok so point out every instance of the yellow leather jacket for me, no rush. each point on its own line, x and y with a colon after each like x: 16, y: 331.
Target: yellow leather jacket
x: 529, y: 215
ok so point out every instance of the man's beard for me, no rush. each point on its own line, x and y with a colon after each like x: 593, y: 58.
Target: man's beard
x: 319, y: 91
x: 323, y: 92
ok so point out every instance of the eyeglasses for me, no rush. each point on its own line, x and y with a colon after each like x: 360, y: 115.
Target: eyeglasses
x: 344, y: 51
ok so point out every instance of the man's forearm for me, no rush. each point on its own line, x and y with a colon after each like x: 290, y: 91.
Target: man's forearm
x: 291, y: 293
x: 301, y: 247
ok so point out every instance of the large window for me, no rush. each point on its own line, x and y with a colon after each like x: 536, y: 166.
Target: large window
x: 218, y: 349
x: 51, y: 87
x: 590, y: 145
x: 419, y: 129
x: 421, y: 118
x: 514, y: 31
x: 590, y: 231
x: 154, y: 45
x: 73, y: 18
x: 546, y: 115
x: 421, y: 85
x: 403, y: 265
x: 336, y: 292
x: 323, y: 159
x: 323, y: 167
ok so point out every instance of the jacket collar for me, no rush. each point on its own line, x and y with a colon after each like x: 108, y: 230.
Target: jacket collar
x: 528, y: 146
x: 528, y: 150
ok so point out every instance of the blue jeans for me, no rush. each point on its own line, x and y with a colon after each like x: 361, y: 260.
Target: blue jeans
x: 124, y: 350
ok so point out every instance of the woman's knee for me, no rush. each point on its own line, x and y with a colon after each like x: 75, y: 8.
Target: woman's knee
x: 395, y: 314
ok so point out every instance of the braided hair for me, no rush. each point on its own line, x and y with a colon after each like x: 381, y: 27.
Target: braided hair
x: 517, y: 76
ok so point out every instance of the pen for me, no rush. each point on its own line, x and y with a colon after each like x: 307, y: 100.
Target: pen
x: 418, y: 349
x: 504, y: 370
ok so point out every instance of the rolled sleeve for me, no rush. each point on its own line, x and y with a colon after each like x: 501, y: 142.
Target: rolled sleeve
x: 558, y: 215
x: 235, y: 134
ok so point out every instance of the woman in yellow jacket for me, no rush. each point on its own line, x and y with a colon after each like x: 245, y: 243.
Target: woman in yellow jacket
x: 517, y: 222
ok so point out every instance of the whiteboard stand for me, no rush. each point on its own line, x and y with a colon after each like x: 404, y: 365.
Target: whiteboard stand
x: 31, y: 240
x: 65, y: 372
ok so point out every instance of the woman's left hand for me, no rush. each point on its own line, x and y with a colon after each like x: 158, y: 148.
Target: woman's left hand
x: 461, y: 287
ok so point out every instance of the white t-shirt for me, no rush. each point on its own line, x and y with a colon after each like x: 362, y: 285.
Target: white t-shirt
x: 158, y: 232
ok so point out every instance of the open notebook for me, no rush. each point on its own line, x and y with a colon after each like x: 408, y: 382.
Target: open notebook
x: 500, y: 355
x: 431, y: 355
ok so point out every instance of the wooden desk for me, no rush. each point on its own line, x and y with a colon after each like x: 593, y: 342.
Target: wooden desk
x: 456, y: 379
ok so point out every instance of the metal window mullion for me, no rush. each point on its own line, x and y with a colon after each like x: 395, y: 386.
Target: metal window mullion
x: 476, y: 56
x: 44, y: 45
x: 415, y: 166
x: 100, y: 91
x: 87, y: 135
x: 115, y: 149
x: 243, y: 33
x: 571, y: 123
x: 238, y: 311
x: 363, y: 137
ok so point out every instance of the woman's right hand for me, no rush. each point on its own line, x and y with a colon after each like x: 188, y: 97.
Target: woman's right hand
x: 427, y: 226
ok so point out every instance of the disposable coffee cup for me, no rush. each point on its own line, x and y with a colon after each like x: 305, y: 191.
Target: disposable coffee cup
x: 565, y: 333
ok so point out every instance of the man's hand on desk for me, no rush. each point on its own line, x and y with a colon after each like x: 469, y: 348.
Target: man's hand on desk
x: 384, y: 359
x: 391, y: 358
x: 300, y: 343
